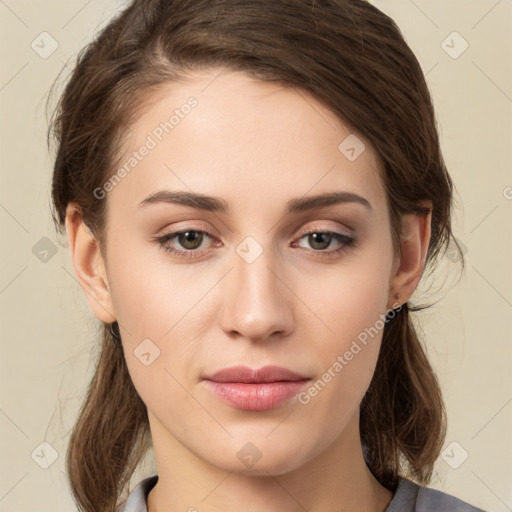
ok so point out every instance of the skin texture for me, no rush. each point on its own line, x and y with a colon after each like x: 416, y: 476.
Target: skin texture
x: 257, y: 146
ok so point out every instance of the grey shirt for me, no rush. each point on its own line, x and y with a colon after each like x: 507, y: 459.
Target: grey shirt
x: 408, y: 497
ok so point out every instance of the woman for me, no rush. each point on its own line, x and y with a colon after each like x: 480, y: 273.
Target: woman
x: 252, y: 192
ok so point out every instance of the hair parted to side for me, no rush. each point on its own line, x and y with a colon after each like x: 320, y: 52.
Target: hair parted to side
x: 351, y: 57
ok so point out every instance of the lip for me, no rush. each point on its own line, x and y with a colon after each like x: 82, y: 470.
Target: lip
x: 247, y: 375
x: 255, y: 390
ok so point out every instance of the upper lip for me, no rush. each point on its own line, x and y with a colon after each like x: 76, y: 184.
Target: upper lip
x: 245, y: 374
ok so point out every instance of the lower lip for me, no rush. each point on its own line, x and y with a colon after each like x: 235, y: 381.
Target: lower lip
x: 258, y: 396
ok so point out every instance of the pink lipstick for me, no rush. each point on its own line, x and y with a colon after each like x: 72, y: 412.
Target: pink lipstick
x: 255, y: 390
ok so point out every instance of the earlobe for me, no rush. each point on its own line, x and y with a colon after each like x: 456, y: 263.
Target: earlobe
x: 415, y: 239
x: 89, y: 265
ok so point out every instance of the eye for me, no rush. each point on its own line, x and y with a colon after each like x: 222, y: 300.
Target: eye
x: 321, y: 240
x: 189, y: 239
x: 191, y: 242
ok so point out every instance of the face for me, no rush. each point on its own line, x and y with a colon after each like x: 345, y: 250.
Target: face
x: 260, y: 280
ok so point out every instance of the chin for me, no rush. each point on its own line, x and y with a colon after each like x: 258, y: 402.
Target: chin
x: 270, y: 459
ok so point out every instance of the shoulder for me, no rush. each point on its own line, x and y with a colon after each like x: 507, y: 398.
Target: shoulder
x: 137, y: 499
x: 411, y: 497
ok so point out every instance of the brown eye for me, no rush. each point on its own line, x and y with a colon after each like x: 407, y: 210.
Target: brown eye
x: 190, y: 240
x: 185, y: 243
x: 321, y: 240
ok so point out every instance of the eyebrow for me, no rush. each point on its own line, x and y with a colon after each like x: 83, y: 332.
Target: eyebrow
x: 216, y: 204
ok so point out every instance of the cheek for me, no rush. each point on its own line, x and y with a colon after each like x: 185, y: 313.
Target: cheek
x: 150, y: 294
x: 163, y: 310
x: 350, y: 305
x: 349, y: 297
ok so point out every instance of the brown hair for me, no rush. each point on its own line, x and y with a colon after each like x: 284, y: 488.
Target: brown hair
x: 351, y: 57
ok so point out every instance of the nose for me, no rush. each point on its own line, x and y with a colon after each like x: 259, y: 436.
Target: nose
x: 256, y: 300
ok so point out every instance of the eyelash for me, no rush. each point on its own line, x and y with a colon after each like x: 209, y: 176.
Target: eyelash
x: 346, y: 241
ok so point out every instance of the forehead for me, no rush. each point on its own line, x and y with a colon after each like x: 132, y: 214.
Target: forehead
x: 224, y: 133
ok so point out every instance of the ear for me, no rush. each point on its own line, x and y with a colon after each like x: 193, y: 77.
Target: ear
x: 89, y: 265
x: 415, y: 238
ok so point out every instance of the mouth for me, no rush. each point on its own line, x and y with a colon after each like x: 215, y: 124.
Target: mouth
x: 255, y: 390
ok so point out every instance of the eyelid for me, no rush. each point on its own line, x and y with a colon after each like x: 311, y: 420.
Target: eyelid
x: 348, y: 232
x: 213, y: 232
x: 186, y: 226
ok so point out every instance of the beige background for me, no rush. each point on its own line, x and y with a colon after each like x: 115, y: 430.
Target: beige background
x: 48, y: 333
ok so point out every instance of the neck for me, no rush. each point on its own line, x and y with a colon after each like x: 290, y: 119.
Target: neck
x: 338, y: 480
